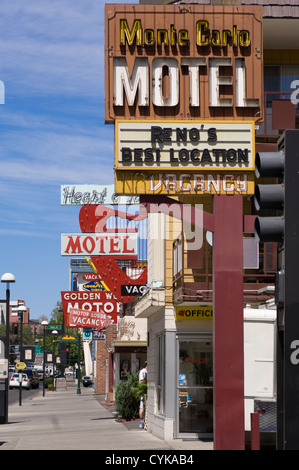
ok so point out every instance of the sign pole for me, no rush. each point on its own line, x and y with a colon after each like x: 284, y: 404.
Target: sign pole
x: 21, y: 357
x: 7, y: 352
x: 228, y: 343
x: 79, y: 370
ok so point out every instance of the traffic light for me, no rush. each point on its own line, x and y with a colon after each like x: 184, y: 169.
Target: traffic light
x: 15, y: 328
x: 67, y: 356
x: 280, y: 223
x: 270, y: 197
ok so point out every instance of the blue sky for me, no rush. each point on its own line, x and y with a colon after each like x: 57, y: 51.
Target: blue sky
x: 52, y: 132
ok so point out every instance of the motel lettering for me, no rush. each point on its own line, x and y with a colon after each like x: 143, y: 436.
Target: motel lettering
x: 98, y: 244
x: 204, y: 36
x: 145, y: 81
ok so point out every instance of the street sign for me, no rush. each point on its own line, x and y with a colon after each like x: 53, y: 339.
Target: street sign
x: 3, y: 368
x: 14, y: 349
x: 20, y: 365
x: 87, y: 334
x: 54, y: 327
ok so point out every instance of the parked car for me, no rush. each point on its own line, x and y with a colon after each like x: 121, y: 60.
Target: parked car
x: 87, y: 380
x: 36, y: 377
x: 15, y: 382
x: 33, y: 375
x: 40, y: 375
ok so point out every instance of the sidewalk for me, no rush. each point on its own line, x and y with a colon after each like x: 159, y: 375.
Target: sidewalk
x: 65, y: 420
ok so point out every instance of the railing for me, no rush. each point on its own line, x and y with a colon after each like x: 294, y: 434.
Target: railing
x: 192, y: 282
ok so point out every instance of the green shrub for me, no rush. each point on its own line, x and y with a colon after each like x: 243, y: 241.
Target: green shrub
x: 49, y: 383
x: 140, y: 390
x: 126, y: 401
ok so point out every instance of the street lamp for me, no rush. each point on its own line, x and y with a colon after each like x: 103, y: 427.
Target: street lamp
x: 8, y: 278
x: 44, y: 324
x: 79, y: 367
x: 54, y: 333
x: 21, y: 309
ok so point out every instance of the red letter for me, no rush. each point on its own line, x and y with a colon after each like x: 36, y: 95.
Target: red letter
x: 114, y: 244
x: 92, y: 242
x: 125, y: 250
x: 74, y: 246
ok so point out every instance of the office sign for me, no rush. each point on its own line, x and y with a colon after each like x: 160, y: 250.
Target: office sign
x: 192, y: 146
x: 183, y: 62
x: 194, y: 312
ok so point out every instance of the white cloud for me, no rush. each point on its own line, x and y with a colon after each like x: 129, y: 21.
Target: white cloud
x: 48, y: 151
x: 52, y: 47
x: 51, y: 133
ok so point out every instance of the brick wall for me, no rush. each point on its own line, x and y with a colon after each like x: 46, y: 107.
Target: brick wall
x: 102, y: 354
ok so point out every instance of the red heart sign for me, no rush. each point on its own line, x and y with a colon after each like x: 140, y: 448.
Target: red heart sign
x: 93, y: 218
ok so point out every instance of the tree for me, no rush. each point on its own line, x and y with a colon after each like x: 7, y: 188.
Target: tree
x: 57, y: 314
x: 57, y: 319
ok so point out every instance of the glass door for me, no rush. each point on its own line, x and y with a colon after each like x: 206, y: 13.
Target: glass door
x: 195, y: 388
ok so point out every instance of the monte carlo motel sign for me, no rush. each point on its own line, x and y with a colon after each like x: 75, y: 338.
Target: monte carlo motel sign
x: 184, y: 90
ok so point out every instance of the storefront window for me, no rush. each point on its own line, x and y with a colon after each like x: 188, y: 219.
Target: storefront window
x: 195, y: 387
x: 280, y: 78
x: 130, y: 363
x: 124, y: 369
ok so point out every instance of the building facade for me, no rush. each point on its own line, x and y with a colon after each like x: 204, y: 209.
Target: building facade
x: 179, y: 302
x: 116, y: 350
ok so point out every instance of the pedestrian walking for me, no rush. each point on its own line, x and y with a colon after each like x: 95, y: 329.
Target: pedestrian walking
x: 142, y: 379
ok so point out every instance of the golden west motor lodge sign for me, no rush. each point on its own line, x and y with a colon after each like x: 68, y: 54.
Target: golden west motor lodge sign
x: 191, y: 63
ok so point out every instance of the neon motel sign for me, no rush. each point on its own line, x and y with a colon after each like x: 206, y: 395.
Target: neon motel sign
x: 206, y: 52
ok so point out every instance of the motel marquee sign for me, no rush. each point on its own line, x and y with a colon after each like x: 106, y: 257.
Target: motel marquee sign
x: 183, y: 62
x: 174, y: 75
x: 89, y: 309
x: 197, y: 157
